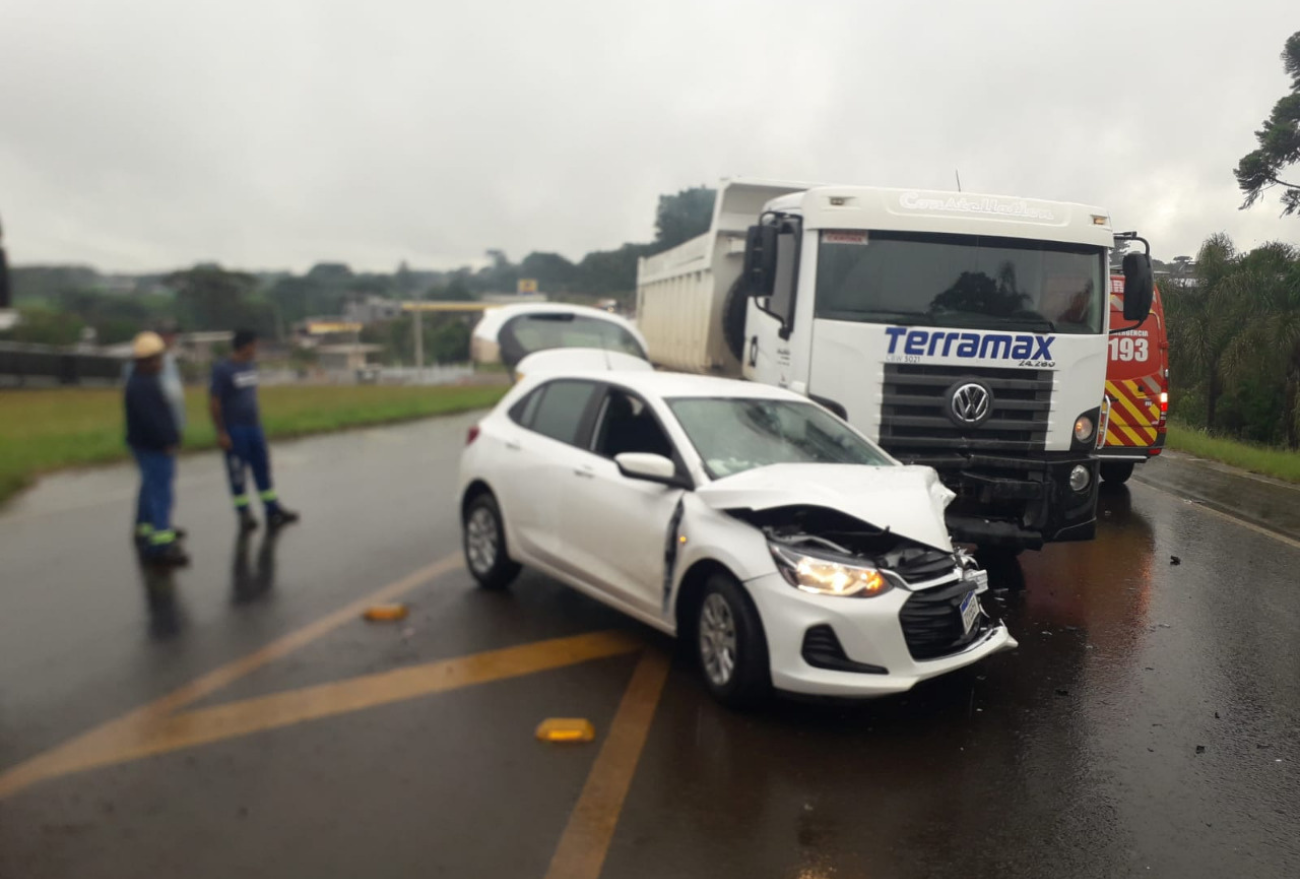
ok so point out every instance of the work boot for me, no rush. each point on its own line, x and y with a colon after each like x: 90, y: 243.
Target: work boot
x: 168, y: 556
x: 246, y: 521
x: 280, y: 516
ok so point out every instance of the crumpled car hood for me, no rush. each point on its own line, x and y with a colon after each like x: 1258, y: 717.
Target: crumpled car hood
x: 907, y: 500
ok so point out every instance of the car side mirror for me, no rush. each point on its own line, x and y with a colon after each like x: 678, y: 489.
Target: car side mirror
x: 1139, y: 287
x: 760, y: 260
x: 651, y: 468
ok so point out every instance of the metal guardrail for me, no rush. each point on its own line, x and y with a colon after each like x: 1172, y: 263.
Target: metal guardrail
x: 41, y: 364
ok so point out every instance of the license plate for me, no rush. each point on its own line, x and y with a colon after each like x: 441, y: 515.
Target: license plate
x: 970, y: 612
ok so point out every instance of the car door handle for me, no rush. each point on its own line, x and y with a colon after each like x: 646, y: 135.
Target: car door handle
x: 513, y: 446
x: 585, y: 474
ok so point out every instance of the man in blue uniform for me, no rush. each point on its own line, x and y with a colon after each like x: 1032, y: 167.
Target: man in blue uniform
x: 233, y: 405
x: 152, y: 434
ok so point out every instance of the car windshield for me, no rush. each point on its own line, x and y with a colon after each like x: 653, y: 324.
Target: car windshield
x: 529, y: 333
x: 961, y: 281
x: 733, y: 435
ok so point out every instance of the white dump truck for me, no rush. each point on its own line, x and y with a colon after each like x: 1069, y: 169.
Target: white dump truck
x: 961, y: 331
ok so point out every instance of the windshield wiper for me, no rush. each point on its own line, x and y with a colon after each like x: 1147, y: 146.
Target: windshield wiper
x: 898, y: 317
x: 976, y: 320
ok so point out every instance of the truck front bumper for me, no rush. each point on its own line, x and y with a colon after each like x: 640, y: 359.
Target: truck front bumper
x: 1018, y: 503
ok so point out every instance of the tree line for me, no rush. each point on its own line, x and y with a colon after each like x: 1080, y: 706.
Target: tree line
x: 59, y: 303
x: 1234, y: 326
x: 1234, y: 341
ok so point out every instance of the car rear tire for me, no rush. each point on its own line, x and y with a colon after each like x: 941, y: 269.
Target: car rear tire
x: 1116, y: 472
x: 484, y: 542
x: 730, y: 644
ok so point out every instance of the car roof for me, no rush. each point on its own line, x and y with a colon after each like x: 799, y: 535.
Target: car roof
x: 679, y: 384
x: 495, y: 317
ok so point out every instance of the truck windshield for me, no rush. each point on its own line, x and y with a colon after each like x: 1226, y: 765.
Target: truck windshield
x: 734, y: 435
x: 961, y: 280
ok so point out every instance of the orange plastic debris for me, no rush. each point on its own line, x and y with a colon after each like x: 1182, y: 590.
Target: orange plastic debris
x: 566, y: 729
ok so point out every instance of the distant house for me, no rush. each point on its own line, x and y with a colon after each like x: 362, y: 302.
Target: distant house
x: 513, y: 298
x: 348, y: 357
x: 372, y: 309
x: 200, y: 347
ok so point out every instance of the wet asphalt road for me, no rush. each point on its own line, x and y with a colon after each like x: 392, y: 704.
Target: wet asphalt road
x: 1148, y: 725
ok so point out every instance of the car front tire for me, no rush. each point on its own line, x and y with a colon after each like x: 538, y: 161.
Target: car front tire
x: 484, y: 543
x: 730, y: 644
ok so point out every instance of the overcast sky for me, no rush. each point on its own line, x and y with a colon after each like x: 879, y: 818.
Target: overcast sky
x: 147, y: 134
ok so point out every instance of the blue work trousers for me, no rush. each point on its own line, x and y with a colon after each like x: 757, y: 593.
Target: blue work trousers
x: 153, y: 509
x: 248, y: 452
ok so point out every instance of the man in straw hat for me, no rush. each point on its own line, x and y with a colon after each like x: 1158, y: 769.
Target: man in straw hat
x: 152, y: 434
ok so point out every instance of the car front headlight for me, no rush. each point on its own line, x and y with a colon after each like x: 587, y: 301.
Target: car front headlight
x: 828, y: 573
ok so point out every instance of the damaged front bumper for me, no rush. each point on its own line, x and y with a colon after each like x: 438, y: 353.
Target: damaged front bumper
x: 869, y: 635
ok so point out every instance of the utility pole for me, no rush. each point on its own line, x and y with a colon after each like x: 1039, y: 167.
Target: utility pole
x: 418, y: 325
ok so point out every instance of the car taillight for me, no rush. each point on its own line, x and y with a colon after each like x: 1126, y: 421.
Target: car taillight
x: 472, y: 435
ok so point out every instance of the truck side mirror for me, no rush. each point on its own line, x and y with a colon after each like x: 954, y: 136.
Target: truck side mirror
x: 1138, y: 287
x: 760, y: 260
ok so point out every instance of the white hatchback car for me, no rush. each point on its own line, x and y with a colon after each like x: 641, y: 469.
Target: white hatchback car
x: 788, y: 549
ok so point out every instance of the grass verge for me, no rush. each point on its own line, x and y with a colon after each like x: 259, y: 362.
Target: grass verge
x: 1278, y: 463
x: 46, y: 430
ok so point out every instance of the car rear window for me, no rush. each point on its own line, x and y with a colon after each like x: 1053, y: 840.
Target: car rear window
x: 559, y: 414
x: 529, y: 333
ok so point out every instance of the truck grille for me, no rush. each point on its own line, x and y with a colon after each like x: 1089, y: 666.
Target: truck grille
x: 915, y: 404
x: 931, y: 621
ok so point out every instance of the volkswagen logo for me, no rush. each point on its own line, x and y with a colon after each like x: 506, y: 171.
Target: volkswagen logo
x: 970, y: 403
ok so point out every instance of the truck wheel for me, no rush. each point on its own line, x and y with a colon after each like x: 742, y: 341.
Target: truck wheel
x: 733, y: 318
x: 731, y: 644
x: 1116, y: 472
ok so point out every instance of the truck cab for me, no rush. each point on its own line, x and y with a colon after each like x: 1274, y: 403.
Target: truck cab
x: 1137, y: 388
x: 961, y: 331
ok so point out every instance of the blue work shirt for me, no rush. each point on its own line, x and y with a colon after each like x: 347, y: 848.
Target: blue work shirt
x: 235, y: 387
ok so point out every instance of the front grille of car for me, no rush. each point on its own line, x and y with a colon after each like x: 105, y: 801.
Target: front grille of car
x: 931, y: 621
x: 915, y: 402
x: 822, y: 649
x: 919, y: 564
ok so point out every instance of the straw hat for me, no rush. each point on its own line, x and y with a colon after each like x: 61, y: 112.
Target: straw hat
x: 147, y: 345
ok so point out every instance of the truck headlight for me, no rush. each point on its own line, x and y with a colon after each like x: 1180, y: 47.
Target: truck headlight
x: 828, y: 574
x: 1083, y: 428
x: 1080, y: 477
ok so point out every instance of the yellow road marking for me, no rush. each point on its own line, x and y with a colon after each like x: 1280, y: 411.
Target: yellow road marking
x: 234, y: 719
x: 582, y: 849
x: 91, y: 748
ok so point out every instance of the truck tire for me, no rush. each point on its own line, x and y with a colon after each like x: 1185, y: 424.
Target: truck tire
x: 733, y: 318
x: 1116, y: 472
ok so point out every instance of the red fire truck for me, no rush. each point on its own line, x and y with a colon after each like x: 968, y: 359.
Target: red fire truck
x: 1137, y: 388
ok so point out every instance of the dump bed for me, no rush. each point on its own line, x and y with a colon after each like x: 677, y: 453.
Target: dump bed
x: 681, y: 293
